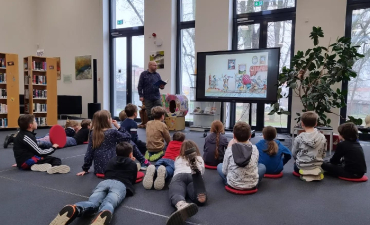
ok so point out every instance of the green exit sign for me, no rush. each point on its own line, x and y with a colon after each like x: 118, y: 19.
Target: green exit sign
x: 119, y: 22
x: 258, y: 3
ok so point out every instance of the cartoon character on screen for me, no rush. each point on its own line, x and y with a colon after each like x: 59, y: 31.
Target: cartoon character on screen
x: 214, y: 82
x: 247, y: 81
x: 226, y: 83
x: 239, y: 83
x: 210, y: 81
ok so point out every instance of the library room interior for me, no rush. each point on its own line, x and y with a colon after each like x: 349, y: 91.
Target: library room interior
x: 184, y: 112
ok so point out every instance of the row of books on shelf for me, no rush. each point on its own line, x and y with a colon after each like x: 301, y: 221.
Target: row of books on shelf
x: 4, y: 123
x: 38, y: 65
x: 3, y: 108
x: 41, y: 121
x: 36, y: 93
x: 35, y: 80
x: 3, y: 93
x: 2, y: 62
x: 37, y: 108
x: 2, y: 77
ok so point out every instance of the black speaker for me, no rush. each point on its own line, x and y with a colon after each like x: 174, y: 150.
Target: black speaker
x: 93, y: 108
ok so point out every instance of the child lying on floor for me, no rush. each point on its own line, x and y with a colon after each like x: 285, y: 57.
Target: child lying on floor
x: 165, y: 167
x: 81, y: 136
x: 120, y: 177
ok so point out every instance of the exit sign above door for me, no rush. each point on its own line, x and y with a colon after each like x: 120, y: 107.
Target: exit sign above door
x: 258, y: 3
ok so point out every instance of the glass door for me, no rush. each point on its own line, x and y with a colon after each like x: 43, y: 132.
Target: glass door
x: 128, y: 65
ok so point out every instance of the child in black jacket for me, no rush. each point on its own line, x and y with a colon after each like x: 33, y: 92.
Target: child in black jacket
x: 28, y: 155
x: 348, y: 160
x: 120, y: 175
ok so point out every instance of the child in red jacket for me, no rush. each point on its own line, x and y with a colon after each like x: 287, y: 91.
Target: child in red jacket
x: 165, y: 167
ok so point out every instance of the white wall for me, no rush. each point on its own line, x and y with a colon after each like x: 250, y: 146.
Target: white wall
x: 160, y: 18
x: 17, y: 30
x: 72, y: 28
x: 331, y: 16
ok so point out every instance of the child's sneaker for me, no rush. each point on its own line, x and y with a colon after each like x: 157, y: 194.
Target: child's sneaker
x: 59, y: 169
x: 184, y: 211
x: 144, y: 165
x: 8, y: 139
x: 66, y: 215
x: 161, y: 178
x: 309, y: 178
x: 191, y: 156
x: 40, y: 167
x: 315, y: 172
x: 148, y: 178
x: 103, y: 218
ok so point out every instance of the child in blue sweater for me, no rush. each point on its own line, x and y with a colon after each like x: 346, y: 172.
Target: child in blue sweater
x: 128, y: 123
x: 272, y: 153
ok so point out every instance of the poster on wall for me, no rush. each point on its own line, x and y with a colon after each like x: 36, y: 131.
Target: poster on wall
x: 83, y: 67
x: 158, y: 57
x: 231, y: 64
x: 59, y: 75
x: 67, y: 78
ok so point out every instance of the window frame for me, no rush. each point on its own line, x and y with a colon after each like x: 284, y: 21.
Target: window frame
x: 263, y: 18
x: 181, y: 25
x: 351, y: 6
x: 128, y: 32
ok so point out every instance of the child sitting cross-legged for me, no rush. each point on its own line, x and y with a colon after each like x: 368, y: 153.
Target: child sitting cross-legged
x: 165, y: 167
x: 348, y: 160
x: 102, y: 143
x: 120, y: 177
x: 156, y: 135
x: 272, y: 153
x: 215, y: 144
x: 240, y: 169
x: 128, y: 123
x: 187, y: 181
x: 309, y: 149
x: 28, y: 155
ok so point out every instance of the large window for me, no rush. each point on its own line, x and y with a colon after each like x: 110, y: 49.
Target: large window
x: 265, y: 24
x: 186, y: 64
x: 127, y: 51
x: 358, y: 89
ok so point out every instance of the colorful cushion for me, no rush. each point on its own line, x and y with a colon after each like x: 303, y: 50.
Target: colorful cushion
x: 274, y: 176
x: 362, y: 179
x: 139, y: 176
x: 58, y: 136
x: 240, y: 192
x: 296, y: 174
x: 210, y: 167
x: 86, y: 142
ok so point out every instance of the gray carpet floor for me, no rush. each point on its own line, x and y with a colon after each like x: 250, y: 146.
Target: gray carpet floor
x: 35, y: 198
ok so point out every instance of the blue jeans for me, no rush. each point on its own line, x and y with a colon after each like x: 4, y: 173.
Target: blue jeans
x: 106, y: 196
x: 170, y: 167
x: 261, y: 172
x: 47, y: 144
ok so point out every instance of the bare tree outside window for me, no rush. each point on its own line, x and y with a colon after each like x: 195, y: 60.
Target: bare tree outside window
x: 129, y: 13
x: 187, y: 54
x: 358, y: 99
x: 249, y: 6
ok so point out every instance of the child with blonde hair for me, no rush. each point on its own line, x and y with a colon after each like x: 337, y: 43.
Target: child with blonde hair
x: 272, y: 153
x: 215, y: 144
x: 102, y: 143
x: 187, y: 181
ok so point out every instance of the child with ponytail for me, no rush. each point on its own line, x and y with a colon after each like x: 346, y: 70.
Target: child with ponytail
x: 272, y: 153
x: 215, y: 145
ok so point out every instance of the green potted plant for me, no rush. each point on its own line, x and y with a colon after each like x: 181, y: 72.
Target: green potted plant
x: 314, y: 72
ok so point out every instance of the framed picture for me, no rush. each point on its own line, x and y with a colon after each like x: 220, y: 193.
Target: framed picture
x: 263, y: 60
x: 59, y: 76
x: 231, y: 64
x: 158, y: 57
x: 83, y: 67
x: 242, y: 69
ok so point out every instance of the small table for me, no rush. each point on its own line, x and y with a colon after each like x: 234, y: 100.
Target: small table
x: 329, y: 131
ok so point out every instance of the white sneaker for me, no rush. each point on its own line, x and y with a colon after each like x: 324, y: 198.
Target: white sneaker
x: 184, y: 211
x: 41, y: 167
x: 59, y: 169
x: 161, y: 178
x: 149, y: 177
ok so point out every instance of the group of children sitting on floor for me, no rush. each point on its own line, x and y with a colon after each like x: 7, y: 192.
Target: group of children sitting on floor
x: 241, y: 164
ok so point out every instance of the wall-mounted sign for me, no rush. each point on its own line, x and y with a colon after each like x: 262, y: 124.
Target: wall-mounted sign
x: 51, y: 67
x: 11, y: 63
x: 119, y: 22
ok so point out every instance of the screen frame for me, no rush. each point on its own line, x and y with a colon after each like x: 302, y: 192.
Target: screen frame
x: 272, y: 76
